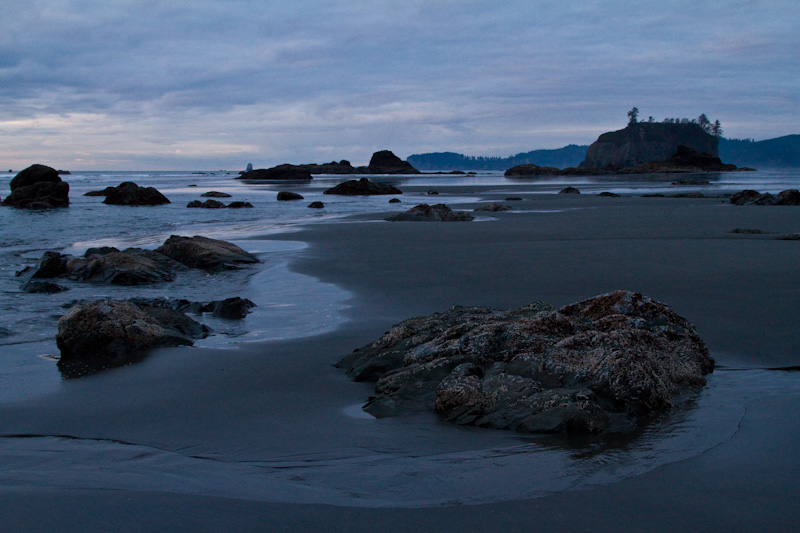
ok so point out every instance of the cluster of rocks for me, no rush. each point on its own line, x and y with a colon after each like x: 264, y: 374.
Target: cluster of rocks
x: 431, y: 213
x: 684, y: 160
x: 751, y: 197
x: 382, y: 162
x: 216, y: 204
x: 602, y: 364
x: 38, y: 187
x: 493, y: 207
x: 136, y: 266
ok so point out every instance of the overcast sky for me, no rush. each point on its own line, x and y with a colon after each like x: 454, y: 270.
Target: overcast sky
x: 201, y: 84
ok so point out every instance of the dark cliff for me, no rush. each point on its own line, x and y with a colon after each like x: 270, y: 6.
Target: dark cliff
x: 644, y: 142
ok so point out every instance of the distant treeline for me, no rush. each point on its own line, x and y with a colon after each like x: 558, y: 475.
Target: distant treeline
x: 569, y: 156
x: 781, y: 152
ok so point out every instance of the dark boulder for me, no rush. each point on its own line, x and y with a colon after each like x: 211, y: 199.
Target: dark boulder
x: 35, y: 174
x: 239, y: 205
x: 431, y: 213
x: 385, y: 162
x: 208, y: 204
x: 788, y: 197
x: 42, y: 195
x: 108, y: 333
x: 129, y: 193
x: 395, y: 201
x: 744, y: 197
x: 286, y: 196
x: 316, y: 205
x: 50, y: 265
x: 45, y: 287
x: 602, y: 364
x: 609, y: 194
x: 215, y: 194
x: 205, y: 253
x: 362, y: 187
x: 122, y: 268
x: 569, y: 190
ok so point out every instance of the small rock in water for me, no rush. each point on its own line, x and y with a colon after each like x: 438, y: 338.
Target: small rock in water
x: 431, y: 213
x: 569, y: 190
x: 316, y: 205
x: 285, y: 196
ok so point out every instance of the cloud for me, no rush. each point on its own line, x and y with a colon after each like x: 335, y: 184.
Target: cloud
x: 294, y: 81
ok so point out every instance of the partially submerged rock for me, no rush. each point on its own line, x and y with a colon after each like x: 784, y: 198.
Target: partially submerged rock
x: 108, y: 333
x: 601, y: 364
x: 569, y: 190
x: 215, y: 194
x: 205, y: 253
x: 280, y: 172
x: 208, y: 204
x: 316, y: 205
x: 362, y: 187
x: 38, y: 187
x: 129, y: 193
x: 431, y: 213
x: 287, y: 196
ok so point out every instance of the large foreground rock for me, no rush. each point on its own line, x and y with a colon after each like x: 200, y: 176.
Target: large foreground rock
x: 431, y: 213
x: 129, y: 193
x: 38, y: 187
x: 601, y: 364
x: 108, y: 333
x: 362, y: 187
x: 205, y: 253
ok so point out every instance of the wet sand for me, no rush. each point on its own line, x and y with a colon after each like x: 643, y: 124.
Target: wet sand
x: 209, y: 422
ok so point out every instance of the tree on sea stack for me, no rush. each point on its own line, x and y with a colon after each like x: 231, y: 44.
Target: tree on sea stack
x: 716, y: 129
x: 633, y: 115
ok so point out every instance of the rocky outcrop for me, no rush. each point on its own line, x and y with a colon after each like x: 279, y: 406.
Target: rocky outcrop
x: 382, y: 162
x: 239, y: 205
x: 286, y: 196
x: 431, y: 213
x: 280, y: 172
x: 136, y: 266
x: 38, y: 187
x: 532, y: 170
x: 751, y: 197
x: 104, y: 192
x: 385, y: 162
x: 362, y: 187
x: 205, y: 253
x: 602, y: 364
x: 129, y: 193
x: 643, y: 142
x: 215, y: 194
x: 107, y: 333
x: 569, y: 190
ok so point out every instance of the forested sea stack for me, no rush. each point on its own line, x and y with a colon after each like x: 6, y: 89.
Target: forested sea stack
x: 643, y: 142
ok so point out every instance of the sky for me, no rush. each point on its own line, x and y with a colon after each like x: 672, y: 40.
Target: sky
x: 201, y: 84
